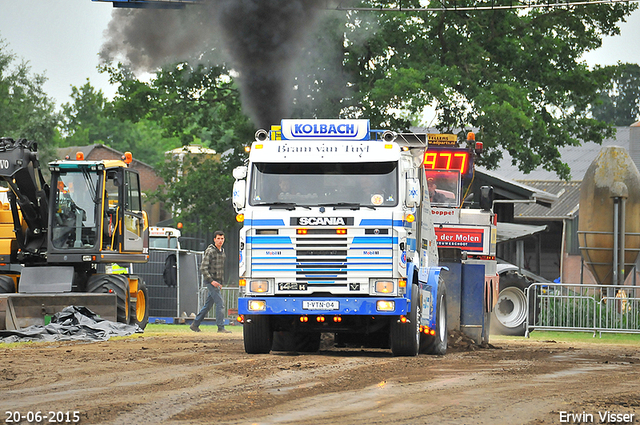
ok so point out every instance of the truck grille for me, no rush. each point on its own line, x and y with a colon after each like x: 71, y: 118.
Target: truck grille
x: 323, y: 260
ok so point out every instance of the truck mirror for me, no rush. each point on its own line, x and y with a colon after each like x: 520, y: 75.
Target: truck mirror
x: 412, y: 194
x: 486, y: 198
x: 239, y: 189
x: 240, y: 172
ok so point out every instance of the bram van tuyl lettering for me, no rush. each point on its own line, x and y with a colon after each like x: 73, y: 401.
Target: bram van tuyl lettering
x: 286, y: 148
x: 601, y: 417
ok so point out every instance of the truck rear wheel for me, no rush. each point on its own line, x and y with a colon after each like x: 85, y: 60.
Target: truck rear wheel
x: 510, y: 312
x: 404, y: 338
x: 7, y: 285
x: 139, y: 313
x: 437, y: 344
x: 257, y: 334
x: 112, y: 283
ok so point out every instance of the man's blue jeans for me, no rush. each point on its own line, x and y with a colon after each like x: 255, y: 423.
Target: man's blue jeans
x: 214, y: 297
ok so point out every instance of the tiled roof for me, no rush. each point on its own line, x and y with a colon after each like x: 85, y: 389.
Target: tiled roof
x: 510, y: 189
x: 513, y: 231
x: 578, y: 158
x: 566, y: 206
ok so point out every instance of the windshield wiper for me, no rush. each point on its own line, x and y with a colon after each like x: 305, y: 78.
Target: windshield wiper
x: 345, y: 205
x: 281, y: 205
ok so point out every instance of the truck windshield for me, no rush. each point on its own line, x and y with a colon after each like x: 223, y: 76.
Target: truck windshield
x: 163, y: 242
x: 76, y: 200
x: 367, y: 184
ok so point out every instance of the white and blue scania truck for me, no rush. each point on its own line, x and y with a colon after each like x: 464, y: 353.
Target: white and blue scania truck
x: 339, y: 238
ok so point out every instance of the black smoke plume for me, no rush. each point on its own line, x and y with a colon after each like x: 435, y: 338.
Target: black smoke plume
x: 261, y: 39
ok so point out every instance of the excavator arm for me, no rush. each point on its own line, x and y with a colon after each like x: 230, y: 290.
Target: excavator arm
x: 28, y: 196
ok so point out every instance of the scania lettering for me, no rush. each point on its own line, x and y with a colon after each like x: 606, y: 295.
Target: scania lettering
x: 321, y: 221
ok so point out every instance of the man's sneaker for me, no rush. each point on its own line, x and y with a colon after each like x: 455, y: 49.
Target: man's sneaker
x: 223, y: 331
x: 194, y: 327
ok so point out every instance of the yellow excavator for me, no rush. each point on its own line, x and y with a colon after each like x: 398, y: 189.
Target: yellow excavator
x: 55, y: 239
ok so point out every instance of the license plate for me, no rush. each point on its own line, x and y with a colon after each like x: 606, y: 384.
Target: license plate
x: 320, y: 305
x: 292, y: 286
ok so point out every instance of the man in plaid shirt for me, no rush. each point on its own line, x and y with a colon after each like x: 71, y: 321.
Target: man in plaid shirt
x: 212, y: 269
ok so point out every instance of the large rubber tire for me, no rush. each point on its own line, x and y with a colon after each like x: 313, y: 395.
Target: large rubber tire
x: 139, y: 313
x: 510, y: 312
x: 112, y: 283
x: 299, y: 342
x: 7, y: 285
x: 437, y: 344
x: 404, y: 338
x: 257, y: 334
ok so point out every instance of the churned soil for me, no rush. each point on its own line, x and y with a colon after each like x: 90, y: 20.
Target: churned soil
x: 205, y: 378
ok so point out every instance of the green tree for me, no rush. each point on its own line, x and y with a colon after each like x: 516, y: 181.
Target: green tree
x: 619, y: 102
x: 25, y: 110
x: 514, y: 74
x: 199, y: 190
x: 89, y: 119
x: 196, y: 105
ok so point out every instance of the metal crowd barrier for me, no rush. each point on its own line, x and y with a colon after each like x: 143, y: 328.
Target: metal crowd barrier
x: 230, y: 297
x: 583, y: 308
x: 172, y: 300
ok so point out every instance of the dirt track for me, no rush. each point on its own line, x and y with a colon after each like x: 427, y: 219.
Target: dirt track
x: 207, y: 378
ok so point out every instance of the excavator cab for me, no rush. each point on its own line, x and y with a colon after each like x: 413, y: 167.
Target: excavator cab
x: 96, y: 213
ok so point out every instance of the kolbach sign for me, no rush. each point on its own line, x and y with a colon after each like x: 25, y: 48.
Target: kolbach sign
x: 325, y: 129
x: 467, y: 239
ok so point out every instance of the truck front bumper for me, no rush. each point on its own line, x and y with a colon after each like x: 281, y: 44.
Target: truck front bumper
x: 354, y: 306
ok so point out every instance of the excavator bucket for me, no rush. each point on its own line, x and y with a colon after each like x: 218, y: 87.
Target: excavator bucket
x: 19, y: 311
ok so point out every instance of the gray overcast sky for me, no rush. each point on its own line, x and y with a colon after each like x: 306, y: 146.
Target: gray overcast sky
x: 61, y: 38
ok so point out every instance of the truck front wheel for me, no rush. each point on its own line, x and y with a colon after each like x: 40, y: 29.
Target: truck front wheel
x: 405, y: 337
x: 257, y: 334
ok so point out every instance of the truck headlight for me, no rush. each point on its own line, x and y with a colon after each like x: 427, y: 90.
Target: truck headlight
x: 385, y: 305
x: 259, y: 286
x: 384, y: 286
x: 257, y: 305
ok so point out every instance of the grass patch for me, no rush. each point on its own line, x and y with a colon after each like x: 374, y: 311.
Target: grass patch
x: 164, y: 329
x: 574, y: 337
